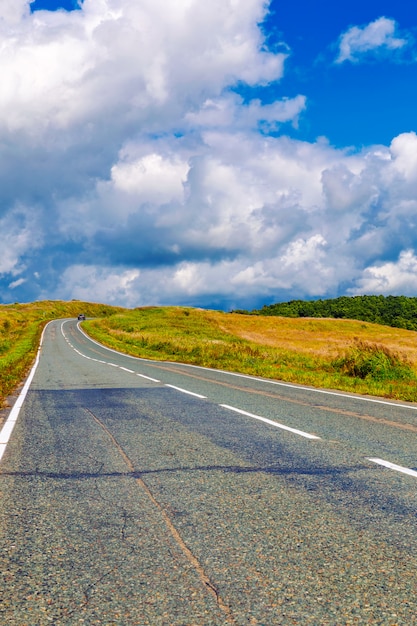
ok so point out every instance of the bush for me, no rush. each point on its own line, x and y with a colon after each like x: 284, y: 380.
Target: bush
x: 374, y: 362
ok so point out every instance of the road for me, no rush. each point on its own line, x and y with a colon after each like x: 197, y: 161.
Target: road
x: 135, y: 492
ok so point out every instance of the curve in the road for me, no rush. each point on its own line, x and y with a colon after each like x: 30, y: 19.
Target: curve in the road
x: 8, y: 427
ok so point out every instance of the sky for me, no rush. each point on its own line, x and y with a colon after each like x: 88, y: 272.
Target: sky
x: 223, y: 155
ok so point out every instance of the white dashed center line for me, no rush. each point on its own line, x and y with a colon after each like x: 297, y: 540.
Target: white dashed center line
x: 190, y: 393
x: 153, y: 380
x: 398, y: 468
x: 271, y: 422
x: 393, y: 466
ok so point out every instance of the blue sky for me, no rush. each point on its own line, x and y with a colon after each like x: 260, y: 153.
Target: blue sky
x: 225, y: 155
x: 352, y: 103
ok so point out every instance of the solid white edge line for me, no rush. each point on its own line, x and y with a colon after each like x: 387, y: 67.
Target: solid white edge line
x: 271, y: 422
x: 190, y: 393
x: 279, y: 383
x: 6, y: 431
x: 9, y: 424
x: 393, y: 466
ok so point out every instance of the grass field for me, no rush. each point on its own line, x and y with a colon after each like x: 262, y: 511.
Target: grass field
x: 334, y: 354
x: 338, y: 354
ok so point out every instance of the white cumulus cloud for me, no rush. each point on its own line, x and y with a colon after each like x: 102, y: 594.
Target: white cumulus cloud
x: 132, y: 171
x: 394, y: 277
x: 379, y: 35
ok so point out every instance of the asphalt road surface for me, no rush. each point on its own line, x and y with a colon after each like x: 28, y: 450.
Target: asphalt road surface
x: 136, y: 493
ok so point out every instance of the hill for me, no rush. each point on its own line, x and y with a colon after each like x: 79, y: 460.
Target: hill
x: 341, y: 354
x: 396, y: 311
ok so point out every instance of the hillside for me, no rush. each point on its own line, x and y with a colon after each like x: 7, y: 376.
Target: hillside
x: 339, y: 354
x: 396, y: 311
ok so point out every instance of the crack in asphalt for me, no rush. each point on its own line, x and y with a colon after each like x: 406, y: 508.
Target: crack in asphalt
x: 190, y: 556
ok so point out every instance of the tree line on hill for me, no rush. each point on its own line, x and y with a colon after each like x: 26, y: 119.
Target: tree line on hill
x: 396, y: 311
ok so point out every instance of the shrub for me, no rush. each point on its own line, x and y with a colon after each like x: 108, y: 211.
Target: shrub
x: 375, y: 362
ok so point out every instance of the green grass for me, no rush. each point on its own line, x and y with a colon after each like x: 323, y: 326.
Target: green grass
x: 243, y: 344
x: 369, y: 361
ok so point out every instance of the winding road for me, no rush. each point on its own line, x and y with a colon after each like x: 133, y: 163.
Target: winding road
x: 136, y: 492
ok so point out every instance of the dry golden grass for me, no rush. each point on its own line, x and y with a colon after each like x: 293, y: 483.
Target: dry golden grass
x: 321, y: 337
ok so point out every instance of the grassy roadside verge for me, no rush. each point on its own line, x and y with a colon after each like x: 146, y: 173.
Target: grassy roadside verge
x: 346, y: 355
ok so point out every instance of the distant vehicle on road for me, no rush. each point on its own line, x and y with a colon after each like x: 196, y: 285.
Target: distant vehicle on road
x: 81, y: 316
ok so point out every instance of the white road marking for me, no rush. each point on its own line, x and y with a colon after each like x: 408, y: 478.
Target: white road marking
x: 271, y: 422
x: 154, y: 380
x: 190, y: 393
x: 10, y: 423
x: 125, y: 369
x: 6, y: 431
x: 397, y: 468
